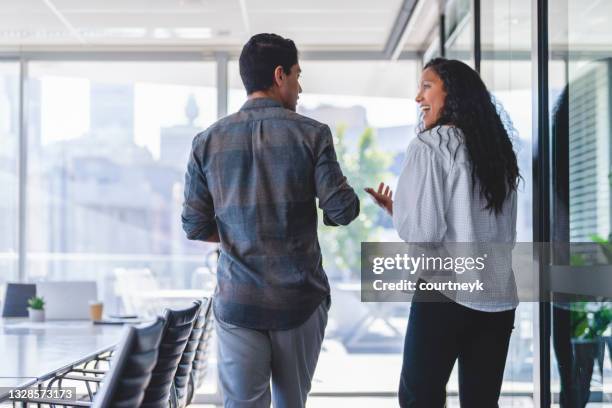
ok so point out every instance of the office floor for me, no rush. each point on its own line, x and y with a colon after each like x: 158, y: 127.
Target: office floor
x: 521, y: 402
x: 327, y: 402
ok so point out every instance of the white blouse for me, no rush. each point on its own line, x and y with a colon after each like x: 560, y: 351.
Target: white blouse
x: 434, y: 203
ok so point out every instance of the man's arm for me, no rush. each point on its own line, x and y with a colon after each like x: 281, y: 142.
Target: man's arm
x: 337, y: 198
x: 198, y: 215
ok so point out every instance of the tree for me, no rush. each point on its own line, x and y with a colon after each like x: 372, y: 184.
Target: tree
x: 341, y: 246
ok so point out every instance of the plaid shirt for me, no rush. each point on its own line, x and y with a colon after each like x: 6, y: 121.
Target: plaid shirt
x: 253, y: 176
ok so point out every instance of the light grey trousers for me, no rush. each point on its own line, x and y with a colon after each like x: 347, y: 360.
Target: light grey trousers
x: 249, y: 359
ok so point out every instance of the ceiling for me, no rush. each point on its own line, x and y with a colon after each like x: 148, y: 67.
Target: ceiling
x: 313, y: 24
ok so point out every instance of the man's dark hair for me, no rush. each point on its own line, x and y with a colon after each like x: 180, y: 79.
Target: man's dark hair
x: 261, y: 55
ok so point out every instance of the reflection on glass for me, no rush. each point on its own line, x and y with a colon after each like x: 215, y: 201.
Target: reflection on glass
x: 580, y: 89
x: 9, y: 163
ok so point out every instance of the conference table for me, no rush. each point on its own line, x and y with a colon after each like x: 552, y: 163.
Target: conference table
x: 35, y: 352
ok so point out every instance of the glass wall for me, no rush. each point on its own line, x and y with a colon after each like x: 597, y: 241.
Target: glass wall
x: 580, y: 97
x: 506, y: 69
x: 370, y: 108
x: 9, y: 171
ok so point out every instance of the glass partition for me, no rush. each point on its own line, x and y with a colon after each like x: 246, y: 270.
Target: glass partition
x: 580, y: 98
x: 506, y: 70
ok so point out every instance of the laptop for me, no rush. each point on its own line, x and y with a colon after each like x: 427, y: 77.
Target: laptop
x: 67, y: 300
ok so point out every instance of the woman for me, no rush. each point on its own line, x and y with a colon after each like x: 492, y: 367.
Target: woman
x: 458, y: 185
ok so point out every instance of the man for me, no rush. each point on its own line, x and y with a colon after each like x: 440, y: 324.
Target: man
x: 251, y: 184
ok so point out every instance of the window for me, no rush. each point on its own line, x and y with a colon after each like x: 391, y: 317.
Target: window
x: 9, y: 171
x: 108, y: 150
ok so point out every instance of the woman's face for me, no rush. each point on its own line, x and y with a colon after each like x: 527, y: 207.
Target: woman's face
x: 431, y: 97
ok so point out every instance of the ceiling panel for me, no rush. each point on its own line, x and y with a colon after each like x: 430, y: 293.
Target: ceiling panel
x: 319, y: 23
x: 21, y: 6
x: 31, y: 21
x: 347, y: 5
x: 145, y: 6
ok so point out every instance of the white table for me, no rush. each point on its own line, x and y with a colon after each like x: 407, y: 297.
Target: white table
x: 33, y: 352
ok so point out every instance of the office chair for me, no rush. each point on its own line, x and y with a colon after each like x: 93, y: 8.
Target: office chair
x: 200, y: 362
x: 174, y: 341
x: 183, y: 373
x: 16, y: 299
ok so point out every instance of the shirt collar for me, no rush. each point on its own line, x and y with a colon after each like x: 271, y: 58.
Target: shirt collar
x: 258, y: 103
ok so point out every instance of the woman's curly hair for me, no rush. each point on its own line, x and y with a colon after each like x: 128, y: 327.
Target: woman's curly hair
x: 486, y: 128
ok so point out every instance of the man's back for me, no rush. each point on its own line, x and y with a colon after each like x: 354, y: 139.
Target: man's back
x: 254, y: 177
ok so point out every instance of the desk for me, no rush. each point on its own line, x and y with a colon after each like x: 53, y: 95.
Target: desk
x: 33, y: 352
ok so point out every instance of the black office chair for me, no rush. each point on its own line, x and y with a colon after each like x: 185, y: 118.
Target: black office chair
x: 130, y: 374
x: 200, y: 362
x: 132, y: 368
x: 168, y: 353
x: 174, y: 340
x: 16, y: 299
x: 183, y: 373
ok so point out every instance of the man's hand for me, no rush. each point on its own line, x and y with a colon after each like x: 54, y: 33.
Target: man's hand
x: 382, y: 197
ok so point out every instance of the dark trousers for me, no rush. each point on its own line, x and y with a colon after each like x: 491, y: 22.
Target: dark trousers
x: 440, y: 332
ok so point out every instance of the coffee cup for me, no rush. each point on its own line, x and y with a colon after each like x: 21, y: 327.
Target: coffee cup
x: 95, y: 310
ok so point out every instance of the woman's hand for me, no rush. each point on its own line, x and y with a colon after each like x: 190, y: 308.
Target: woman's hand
x: 382, y: 197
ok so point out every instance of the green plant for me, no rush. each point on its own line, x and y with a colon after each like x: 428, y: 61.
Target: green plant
x: 577, y: 260
x: 365, y: 167
x: 36, y: 303
x: 590, y: 319
x: 605, y: 246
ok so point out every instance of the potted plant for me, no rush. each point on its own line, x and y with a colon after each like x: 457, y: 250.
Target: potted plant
x: 604, y: 316
x: 590, y: 320
x: 36, y: 309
